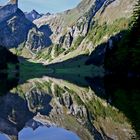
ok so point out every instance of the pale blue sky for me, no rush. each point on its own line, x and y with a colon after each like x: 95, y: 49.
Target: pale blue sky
x: 44, y: 6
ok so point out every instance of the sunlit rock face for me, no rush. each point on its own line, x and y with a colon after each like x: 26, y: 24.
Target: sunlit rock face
x: 71, y: 23
x: 76, y: 22
x: 13, y: 2
x: 66, y: 27
x: 72, y: 30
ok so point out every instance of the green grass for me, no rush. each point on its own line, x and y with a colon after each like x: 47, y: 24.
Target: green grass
x: 44, y: 54
x: 78, y: 41
x: 58, y: 50
x: 98, y: 109
x: 98, y: 32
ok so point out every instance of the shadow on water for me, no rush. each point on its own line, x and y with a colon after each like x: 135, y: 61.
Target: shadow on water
x: 5, y: 84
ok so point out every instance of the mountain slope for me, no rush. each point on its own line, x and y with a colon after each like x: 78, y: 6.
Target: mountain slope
x: 115, y: 10
x: 69, y: 33
x: 67, y: 23
x: 16, y: 29
x: 74, y: 30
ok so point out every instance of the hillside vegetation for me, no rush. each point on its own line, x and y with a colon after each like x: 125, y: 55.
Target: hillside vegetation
x: 125, y: 57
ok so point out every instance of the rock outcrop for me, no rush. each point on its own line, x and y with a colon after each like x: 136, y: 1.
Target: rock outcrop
x: 16, y: 29
x: 36, y: 40
x: 63, y: 24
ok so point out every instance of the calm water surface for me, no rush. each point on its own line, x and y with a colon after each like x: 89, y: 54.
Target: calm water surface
x: 72, y: 108
x: 43, y: 133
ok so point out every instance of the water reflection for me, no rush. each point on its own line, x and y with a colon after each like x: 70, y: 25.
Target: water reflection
x: 43, y: 133
x: 90, y: 111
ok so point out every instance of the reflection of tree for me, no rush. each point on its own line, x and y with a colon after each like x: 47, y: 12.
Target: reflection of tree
x: 6, y: 57
x: 124, y: 95
x: 7, y: 84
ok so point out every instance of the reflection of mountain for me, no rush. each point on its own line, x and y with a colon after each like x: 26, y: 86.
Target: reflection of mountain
x: 72, y: 108
x: 15, y: 111
x: 78, y: 103
x: 14, y: 114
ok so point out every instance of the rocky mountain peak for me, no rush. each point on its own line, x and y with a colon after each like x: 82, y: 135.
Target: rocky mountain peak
x: 16, y: 29
x: 8, y: 9
x: 13, y: 2
x: 33, y: 15
x: 34, y: 12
